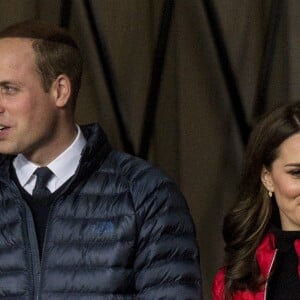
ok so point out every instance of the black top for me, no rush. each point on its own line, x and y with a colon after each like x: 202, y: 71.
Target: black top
x: 285, y: 282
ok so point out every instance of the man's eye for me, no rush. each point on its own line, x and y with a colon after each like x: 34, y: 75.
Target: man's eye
x: 7, y: 89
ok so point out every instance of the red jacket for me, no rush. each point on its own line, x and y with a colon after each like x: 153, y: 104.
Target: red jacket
x: 265, y: 255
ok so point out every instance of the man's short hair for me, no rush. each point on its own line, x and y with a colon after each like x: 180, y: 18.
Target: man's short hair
x: 55, y: 49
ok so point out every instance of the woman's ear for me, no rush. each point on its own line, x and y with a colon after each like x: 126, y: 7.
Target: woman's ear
x: 61, y: 90
x: 266, y: 179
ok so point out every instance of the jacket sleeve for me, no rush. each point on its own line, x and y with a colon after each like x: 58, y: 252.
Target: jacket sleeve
x: 167, y: 261
x: 218, y: 285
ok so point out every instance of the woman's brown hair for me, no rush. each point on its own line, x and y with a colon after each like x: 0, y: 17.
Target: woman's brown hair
x: 250, y: 217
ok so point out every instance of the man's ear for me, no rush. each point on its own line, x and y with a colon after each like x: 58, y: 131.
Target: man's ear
x: 266, y: 179
x: 61, y: 89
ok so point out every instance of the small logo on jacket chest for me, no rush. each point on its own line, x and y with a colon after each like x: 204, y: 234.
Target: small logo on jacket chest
x: 103, y: 227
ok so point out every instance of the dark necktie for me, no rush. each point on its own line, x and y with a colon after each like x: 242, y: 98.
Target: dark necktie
x: 40, y: 190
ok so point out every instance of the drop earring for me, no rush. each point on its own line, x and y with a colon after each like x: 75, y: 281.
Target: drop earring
x: 270, y: 194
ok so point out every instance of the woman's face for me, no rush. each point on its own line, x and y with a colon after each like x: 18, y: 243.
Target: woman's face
x: 284, y: 180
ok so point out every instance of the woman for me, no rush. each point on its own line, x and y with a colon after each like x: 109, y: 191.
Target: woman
x: 262, y: 230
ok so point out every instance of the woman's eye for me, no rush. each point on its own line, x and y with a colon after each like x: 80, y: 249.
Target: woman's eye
x: 295, y: 172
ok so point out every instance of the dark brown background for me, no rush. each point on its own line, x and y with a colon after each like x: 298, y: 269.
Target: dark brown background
x: 196, y: 140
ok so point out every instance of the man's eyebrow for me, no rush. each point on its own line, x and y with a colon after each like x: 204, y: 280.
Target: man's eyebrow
x: 6, y: 82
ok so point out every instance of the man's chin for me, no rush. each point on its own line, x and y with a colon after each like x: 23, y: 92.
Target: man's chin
x: 6, y: 151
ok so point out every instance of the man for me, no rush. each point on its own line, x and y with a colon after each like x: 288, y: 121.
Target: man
x: 104, y: 224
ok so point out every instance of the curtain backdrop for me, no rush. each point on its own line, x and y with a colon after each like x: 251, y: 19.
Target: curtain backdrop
x: 196, y: 139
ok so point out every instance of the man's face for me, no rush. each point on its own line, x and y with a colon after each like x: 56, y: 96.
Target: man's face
x: 28, y: 114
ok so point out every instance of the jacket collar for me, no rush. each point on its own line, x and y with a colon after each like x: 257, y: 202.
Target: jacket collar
x: 96, y: 150
x: 266, y: 251
x: 93, y: 155
x: 265, y: 254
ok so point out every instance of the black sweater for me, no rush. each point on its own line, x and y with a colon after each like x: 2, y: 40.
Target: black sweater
x: 285, y: 283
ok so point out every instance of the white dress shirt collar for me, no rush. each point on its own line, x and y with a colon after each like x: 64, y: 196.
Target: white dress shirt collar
x: 63, y: 167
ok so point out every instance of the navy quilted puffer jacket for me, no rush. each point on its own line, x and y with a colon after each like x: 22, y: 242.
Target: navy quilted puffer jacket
x: 119, y: 230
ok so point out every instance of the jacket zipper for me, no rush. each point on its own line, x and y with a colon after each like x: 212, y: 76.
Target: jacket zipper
x: 45, y: 242
x: 37, y: 262
x: 34, y: 250
x: 268, y: 276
